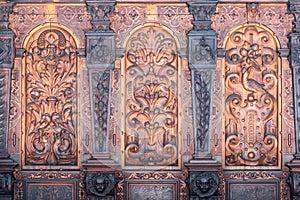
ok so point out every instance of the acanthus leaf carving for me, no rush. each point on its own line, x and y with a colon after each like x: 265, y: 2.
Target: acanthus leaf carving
x: 51, y: 74
x: 251, y: 98
x: 202, y: 13
x: 151, y: 119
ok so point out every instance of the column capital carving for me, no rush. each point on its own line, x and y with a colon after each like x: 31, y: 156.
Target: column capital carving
x: 202, y: 12
x: 100, y: 12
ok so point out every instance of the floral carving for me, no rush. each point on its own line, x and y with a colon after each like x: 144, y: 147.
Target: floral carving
x: 203, y: 53
x: 100, y: 13
x: 151, y: 104
x: 251, y: 98
x: 51, y: 73
x: 125, y: 17
x: 226, y: 18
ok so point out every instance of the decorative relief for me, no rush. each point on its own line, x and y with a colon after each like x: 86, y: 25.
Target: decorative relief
x: 124, y: 18
x: 53, y: 191
x: 274, y: 17
x: 204, y: 184
x: 100, y: 14
x: 101, y: 89
x: 3, y: 109
x: 202, y: 80
x: 74, y: 17
x: 100, y: 184
x: 25, y: 18
x: 295, y: 49
x: 227, y: 17
x: 6, y: 183
x: 151, y: 137
x: 149, y: 179
x: 51, y: 73
x: 251, y: 86
x: 203, y: 52
x: 177, y: 17
x: 100, y: 51
x: 5, y: 10
x: 5, y: 51
x: 278, y: 20
x: 202, y: 14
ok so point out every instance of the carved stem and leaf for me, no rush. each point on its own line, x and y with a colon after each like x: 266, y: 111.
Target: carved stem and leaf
x: 251, y: 87
x: 51, y: 73
x: 152, y: 103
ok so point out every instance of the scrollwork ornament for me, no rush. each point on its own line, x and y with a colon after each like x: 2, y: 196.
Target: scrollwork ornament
x: 5, y: 51
x: 100, y: 184
x: 204, y: 184
x: 251, y: 104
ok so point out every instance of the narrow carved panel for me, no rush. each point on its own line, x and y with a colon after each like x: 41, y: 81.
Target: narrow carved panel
x: 51, y: 190
x: 251, y: 86
x: 151, y: 99
x: 3, y: 110
x: 51, y: 72
x: 100, y: 83
x: 202, y: 89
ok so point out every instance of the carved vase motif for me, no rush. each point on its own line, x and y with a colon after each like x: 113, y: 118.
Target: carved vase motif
x: 51, y: 73
x: 251, y: 86
x: 151, y: 99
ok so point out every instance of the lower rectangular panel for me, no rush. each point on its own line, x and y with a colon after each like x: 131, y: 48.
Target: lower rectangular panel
x: 245, y: 189
x: 51, y: 190
x: 144, y: 190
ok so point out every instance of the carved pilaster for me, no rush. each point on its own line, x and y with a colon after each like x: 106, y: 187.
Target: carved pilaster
x: 202, y: 59
x: 100, y: 58
x: 6, y: 64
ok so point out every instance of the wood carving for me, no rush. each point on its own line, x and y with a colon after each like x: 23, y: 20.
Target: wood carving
x: 251, y: 81
x: 51, y: 72
x: 151, y: 99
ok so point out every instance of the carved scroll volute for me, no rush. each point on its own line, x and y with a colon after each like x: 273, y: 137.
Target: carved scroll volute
x: 251, y: 86
x: 50, y: 99
x: 151, y: 138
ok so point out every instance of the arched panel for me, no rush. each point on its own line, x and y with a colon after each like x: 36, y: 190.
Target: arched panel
x: 50, y: 99
x: 252, y: 114
x: 151, y: 100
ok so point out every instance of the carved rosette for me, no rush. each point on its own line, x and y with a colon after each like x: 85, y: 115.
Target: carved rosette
x: 124, y: 18
x: 25, y: 18
x: 51, y: 76
x: 251, y: 87
x: 275, y: 17
x: 100, y: 184
x: 151, y: 137
x: 204, y: 184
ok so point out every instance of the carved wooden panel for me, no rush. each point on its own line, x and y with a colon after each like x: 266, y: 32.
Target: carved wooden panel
x: 251, y: 88
x: 50, y: 85
x: 151, y: 137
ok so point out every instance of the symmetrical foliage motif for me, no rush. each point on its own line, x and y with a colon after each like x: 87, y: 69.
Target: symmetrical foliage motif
x: 100, y: 81
x: 51, y: 72
x: 251, y: 87
x: 202, y: 100
x: 151, y: 99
